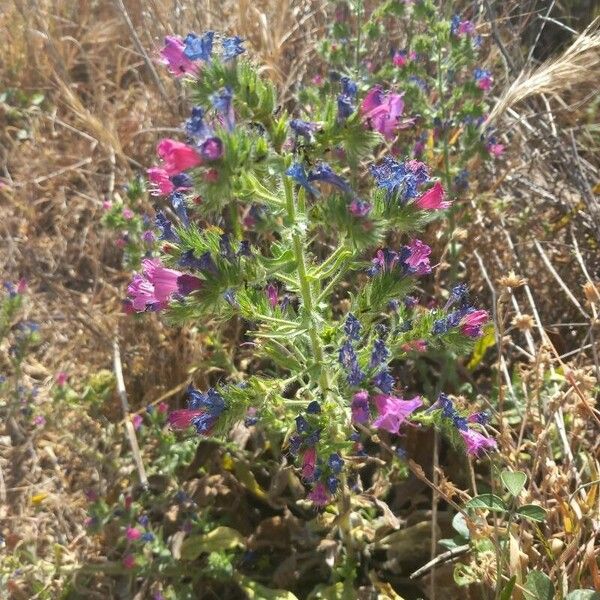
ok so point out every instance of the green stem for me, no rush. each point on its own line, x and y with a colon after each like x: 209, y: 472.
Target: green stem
x: 298, y: 241
x: 234, y: 215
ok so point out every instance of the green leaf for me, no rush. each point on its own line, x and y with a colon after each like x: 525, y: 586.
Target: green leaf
x: 514, y: 482
x: 583, y: 595
x: 532, y: 512
x: 507, y: 590
x: 487, y: 501
x: 256, y: 591
x: 460, y: 526
x: 487, y: 340
x: 220, y: 538
x: 538, y: 586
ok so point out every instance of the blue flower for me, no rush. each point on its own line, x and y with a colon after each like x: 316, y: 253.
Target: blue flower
x: 178, y: 203
x: 203, y: 423
x: 222, y: 103
x: 345, y: 106
x: 167, y: 233
x: 349, y: 87
x: 232, y: 47
x: 182, y: 180
x: 147, y: 537
x: 384, y: 381
x: 323, y: 172
x: 380, y: 353
x: 314, y: 408
x: 332, y: 484
x: 302, y: 425
x: 335, y: 462
x: 229, y: 296
x: 295, y: 443
x: 397, y: 179
x: 347, y: 356
x: 298, y: 174
x: 198, y: 48
x: 458, y: 295
x: 195, y: 126
x: 454, y: 24
x: 225, y: 248
x: 303, y: 128
x: 211, y: 401
x: 244, y: 249
x: 355, y: 376
x: 352, y: 327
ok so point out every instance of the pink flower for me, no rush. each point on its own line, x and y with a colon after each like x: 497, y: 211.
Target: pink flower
x: 317, y: 80
x: 272, y: 295
x: 360, y: 407
x: 466, y: 28
x: 309, y: 461
x: 476, y: 442
x: 382, y: 110
x: 433, y: 199
x: 496, y: 149
x: 182, y: 419
x: 107, y: 205
x: 160, y: 178
x: 129, y: 561
x: 394, y: 411
x: 418, y: 260
x: 120, y: 243
x: 39, y: 420
x: 415, y: 346
x: 133, y: 534
x: 400, y: 58
x: 172, y: 55
x: 61, y: 378
x: 319, y: 495
x: 137, y: 421
x: 21, y: 286
x: 128, y: 214
x: 154, y: 288
x: 163, y: 407
x: 472, y: 323
x: 177, y: 156
x: 211, y: 176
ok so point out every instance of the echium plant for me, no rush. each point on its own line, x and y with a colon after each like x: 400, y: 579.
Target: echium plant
x: 319, y: 263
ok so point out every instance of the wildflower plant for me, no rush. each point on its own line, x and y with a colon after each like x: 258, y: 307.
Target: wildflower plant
x: 281, y: 222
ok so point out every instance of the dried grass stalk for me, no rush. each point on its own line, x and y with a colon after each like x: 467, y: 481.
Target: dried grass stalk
x: 579, y: 65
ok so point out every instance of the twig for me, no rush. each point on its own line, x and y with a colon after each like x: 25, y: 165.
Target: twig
x: 136, y: 40
x: 135, y: 449
x: 440, y: 559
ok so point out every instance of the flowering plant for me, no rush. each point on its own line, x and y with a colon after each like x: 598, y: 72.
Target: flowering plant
x: 292, y: 226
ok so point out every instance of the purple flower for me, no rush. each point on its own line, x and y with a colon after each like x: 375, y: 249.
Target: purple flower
x: 319, y: 495
x: 399, y: 180
x: 137, y: 421
x: 332, y: 484
x: 360, y: 407
x: 393, y: 411
x: 314, y: 408
x: 359, y: 208
x: 199, y: 48
x: 167, y: 233
x: 476, y: 442
x: 345, y: 105
x: 418, y: 261
x: 211, y: 149
x: 302, y: 425
x: 272, y: 295
x: 309, y: 461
